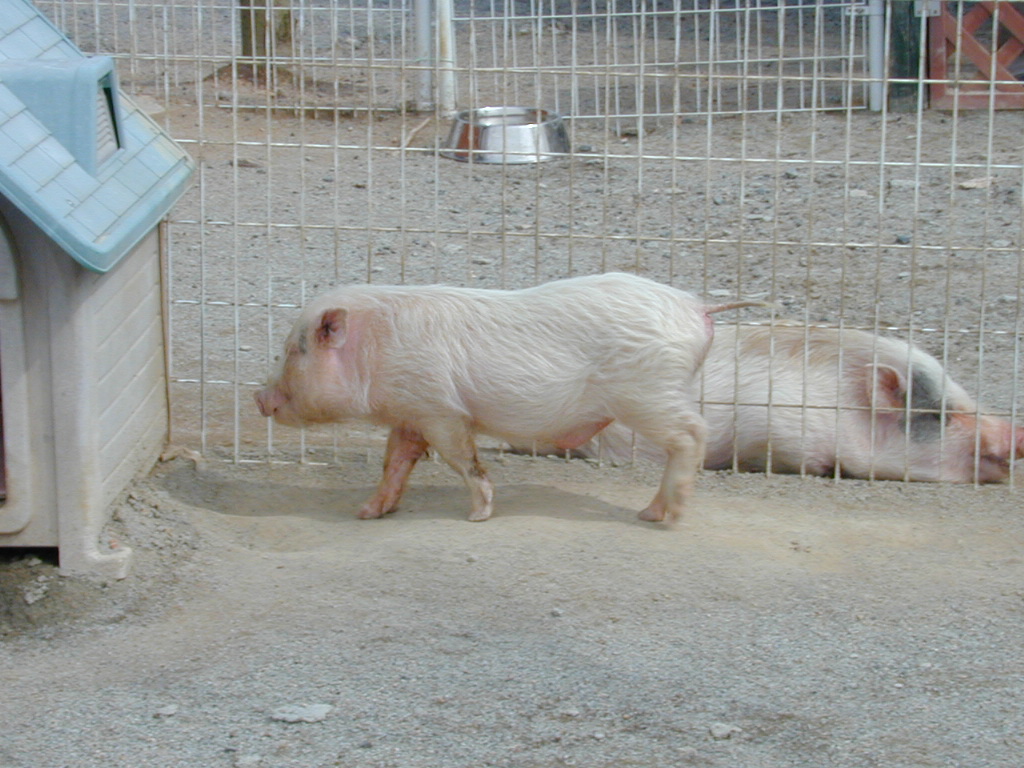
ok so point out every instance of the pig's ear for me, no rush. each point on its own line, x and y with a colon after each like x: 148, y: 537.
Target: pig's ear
x: 886, y: 387
x: 330, y: 329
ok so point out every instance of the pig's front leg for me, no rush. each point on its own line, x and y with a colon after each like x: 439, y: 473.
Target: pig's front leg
x: 454, y: 442
x: 405, y: 447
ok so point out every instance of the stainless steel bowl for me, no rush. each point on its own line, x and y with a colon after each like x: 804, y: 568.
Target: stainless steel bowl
x: 506, y: 135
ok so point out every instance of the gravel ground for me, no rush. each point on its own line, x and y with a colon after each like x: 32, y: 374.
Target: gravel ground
x: 783, y: 622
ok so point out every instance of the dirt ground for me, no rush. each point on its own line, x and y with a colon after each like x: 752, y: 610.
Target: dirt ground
x: 783, y: 622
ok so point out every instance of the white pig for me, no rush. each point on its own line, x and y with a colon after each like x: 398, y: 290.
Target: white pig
x: 843, y: 401
x: 554, y: 364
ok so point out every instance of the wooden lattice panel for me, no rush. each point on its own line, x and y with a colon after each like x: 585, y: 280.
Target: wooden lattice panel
x: 961, y: 61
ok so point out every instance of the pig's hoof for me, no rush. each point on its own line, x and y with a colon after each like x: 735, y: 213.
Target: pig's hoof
x: 370, y: 512
x: 652, y: 514
x: 479, y: 515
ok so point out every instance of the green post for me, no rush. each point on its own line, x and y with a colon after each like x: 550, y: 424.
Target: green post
x: 904, y: 55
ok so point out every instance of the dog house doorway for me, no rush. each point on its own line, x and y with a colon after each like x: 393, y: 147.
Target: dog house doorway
x: 3, y: 462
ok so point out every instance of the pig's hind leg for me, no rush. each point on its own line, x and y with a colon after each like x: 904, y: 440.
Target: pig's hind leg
x: 404, y: 449
x: 683, y: 436
x: 453, y: 440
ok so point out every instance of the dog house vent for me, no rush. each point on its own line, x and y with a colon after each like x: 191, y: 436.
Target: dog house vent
x: 76, y: 100
x: 106, y: 133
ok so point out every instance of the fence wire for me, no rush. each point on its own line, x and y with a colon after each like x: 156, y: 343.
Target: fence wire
x: 723, y: 147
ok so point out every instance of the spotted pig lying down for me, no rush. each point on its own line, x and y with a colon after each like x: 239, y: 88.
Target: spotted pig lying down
x: 554, y: 364
x: 875, y: 407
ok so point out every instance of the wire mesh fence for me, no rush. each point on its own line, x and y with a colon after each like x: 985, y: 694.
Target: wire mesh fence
x: 647, y: 61
x: 726, y: 148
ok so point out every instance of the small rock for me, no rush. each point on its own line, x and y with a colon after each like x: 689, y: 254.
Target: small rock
x: 584, y: 148
x: 33, y: 561
x: 982, y: 182
x: 859, y: 193
x: 480, y: 261
x: 301, y: 713
x: 248, y: 761
x: 1001, y: 243
x: 903, y: 239
x: 723, y: 731
x: 719, y: 293
x: 903, y: 184
x: 243, y: 163
x: 168, y: 710
x: 34, y: 593
x: 556, y: 612
x: 791, y: 175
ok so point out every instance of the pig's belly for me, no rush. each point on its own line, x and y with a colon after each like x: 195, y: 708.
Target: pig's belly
x: 786, y: 456
x: 564, y: 414
x: 564, y: 434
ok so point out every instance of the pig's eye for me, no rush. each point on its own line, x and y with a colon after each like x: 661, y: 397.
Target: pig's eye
x: 277, y: 358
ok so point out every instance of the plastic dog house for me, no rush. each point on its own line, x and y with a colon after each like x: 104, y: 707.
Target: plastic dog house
x: 85, y: 180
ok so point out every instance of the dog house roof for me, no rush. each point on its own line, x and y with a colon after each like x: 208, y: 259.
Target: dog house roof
x: 81, y: 160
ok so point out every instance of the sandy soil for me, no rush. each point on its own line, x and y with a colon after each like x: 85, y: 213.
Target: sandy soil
x: 784, y: 622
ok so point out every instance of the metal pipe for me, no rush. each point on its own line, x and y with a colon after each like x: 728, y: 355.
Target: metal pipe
x: 422, y: 21
x: 876, y: 55
x: 445, y: 58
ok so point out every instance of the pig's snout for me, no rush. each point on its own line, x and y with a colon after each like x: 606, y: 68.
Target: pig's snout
x: 268, y: 400
x: 1000, y: 445
x: 1003, y: 442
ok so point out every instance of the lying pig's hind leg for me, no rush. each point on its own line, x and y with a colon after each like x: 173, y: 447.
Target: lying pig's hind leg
x: 405, y: 447
x: 454, y: 442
